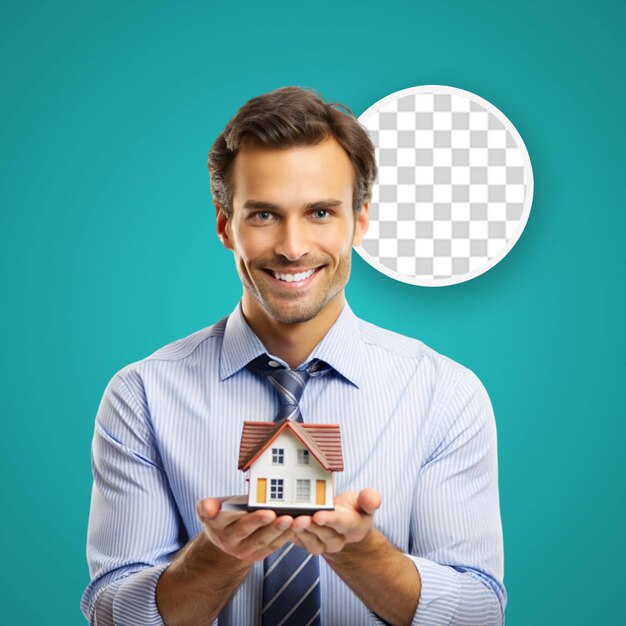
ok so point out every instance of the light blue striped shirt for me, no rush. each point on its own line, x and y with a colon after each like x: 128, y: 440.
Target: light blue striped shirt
x: 415, y: 425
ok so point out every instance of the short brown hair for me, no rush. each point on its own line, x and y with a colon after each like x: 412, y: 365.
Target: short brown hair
x: 286, y: 117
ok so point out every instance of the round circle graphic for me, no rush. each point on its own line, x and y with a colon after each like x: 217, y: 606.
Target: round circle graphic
x: 454, y: 186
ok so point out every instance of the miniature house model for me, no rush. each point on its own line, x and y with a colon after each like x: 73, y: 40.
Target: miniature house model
x: 291, y: 465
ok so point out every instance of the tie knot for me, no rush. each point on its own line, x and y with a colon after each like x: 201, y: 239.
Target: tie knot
x: 289, y: 384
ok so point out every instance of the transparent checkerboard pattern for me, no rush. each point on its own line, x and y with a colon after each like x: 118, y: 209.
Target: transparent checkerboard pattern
x: 450, y: 189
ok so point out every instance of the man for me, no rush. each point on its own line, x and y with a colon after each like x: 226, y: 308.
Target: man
x: 415, y: 537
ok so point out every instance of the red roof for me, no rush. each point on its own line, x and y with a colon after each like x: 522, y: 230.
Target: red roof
x: 322, y: 440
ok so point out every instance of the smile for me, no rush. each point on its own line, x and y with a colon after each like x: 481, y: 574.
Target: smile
x: 293, y: 278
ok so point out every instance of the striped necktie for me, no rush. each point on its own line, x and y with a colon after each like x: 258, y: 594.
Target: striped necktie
x: 291, y: 580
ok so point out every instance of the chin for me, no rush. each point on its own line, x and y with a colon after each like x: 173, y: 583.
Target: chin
x: 292, y: 315
x: 296, y: 310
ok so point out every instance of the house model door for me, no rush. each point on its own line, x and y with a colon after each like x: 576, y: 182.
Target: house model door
x: 261, y: 490
x: 320, y: 492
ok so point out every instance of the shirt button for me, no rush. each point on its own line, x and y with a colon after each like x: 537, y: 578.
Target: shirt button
x: 273, y: 363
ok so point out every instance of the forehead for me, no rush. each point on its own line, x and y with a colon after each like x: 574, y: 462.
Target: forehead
x: 295, y: 174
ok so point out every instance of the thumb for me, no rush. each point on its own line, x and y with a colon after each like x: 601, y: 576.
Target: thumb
x: 208, y: 507
x: 369, y: 500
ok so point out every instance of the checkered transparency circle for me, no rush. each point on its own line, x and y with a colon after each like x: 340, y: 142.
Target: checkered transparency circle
x: 454, y: 186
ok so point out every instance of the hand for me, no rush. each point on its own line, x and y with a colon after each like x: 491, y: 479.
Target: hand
x: 330, y: 531
x: 245, y: 536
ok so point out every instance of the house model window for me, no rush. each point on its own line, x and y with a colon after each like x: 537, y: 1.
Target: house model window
x: 303, y: 490
x: 278, y: 456
x: 303, y: 457
x: 277, y: 489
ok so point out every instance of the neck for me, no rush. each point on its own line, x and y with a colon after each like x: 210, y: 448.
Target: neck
x: 293, y: 343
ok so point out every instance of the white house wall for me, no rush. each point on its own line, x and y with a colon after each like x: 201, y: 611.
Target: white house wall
x: 290, y: 471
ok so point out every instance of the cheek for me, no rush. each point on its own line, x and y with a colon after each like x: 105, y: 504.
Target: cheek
x: 338, y: 242
x: 246, y: 248
x: 252, y: 243
x: 343, y: 248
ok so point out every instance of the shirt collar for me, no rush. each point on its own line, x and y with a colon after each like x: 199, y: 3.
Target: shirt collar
x: 341, y: 347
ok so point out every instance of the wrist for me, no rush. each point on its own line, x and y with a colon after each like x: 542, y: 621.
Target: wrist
x: 200, y: 555
x: 210, y: 555
x: 372, y: 545
x: 200, y: 580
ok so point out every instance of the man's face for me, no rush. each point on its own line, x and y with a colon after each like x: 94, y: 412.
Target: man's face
x: 292, y: 229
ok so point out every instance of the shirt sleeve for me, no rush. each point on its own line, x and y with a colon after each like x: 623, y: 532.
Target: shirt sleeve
x: 456, y: 531
x: 134, y: 526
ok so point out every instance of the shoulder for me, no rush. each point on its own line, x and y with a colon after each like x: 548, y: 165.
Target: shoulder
x: 177, y: 358
x: 442, y: 371
x: 206, y: 338
x: 402, y: 346
x: 458, y: 398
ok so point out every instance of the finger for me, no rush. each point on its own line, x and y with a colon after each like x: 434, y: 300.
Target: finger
x: 302, y: 522
x: 212, y: 516
x: 311, y: 542
x: 222, y: 520
x: 208, y: 507
x: 268, y: 547
x: 268, y: 539
x: 247, y: 524
x: 234, y: 538
x: 239, y: 522
x: 329, y: 537
x: 369, y: 500
x: 269, y: 536
x: 340, y: 520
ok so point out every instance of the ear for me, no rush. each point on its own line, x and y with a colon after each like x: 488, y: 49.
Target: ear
x: 222, y: 226
x: 362, y: 224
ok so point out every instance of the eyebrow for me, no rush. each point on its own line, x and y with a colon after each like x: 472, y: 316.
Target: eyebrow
x: 260, y: 205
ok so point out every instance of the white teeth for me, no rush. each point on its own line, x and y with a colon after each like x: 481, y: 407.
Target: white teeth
x: 290, y: 278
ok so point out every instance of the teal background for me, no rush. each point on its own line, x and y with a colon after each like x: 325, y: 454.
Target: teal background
x: 108, y: 252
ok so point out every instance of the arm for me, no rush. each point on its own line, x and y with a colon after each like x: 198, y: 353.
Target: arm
x: 395, y: 600
x: 456, y: 528
x: 198, y: 583
x: 378, y: 573
x: 134, y: 530
x: 133, y: 523
x: 203, y: 577
x: 456, y: 548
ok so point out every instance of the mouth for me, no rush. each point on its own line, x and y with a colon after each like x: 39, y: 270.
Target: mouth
x: 294, y: 280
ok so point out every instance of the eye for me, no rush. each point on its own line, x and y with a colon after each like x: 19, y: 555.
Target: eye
x: 262, y: 216
x: 321, y: 214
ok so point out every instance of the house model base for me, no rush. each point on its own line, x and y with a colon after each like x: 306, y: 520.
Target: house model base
x: 290, y: 466
x: 240, y: 503
x: 291, y: 511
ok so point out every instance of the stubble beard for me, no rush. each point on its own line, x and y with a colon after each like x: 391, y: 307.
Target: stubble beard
x: 295, y: 308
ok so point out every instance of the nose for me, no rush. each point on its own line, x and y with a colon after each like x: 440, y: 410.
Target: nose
x: 292, y: 241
